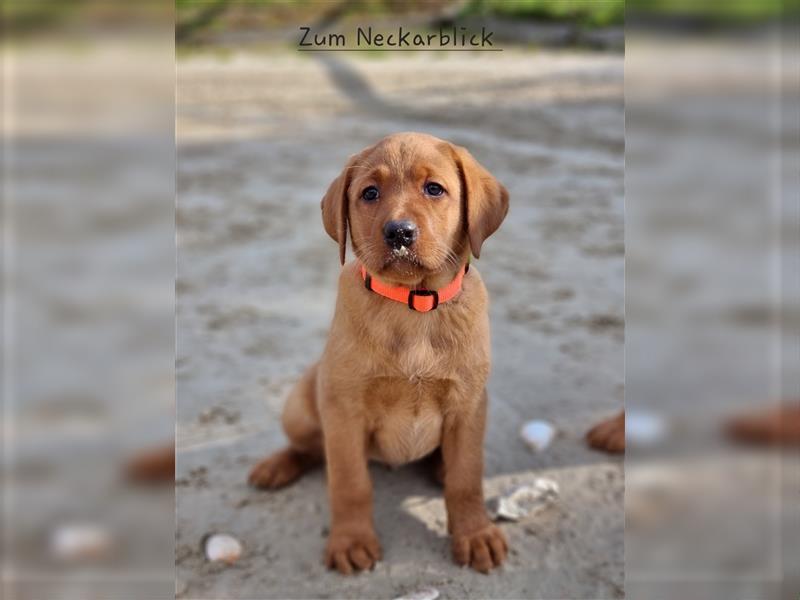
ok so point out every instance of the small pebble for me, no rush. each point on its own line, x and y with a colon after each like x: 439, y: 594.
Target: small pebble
x: 537, y: 434
x: 423, y: 594
x: 523, y: 501
x: 644, y: 428
x: 223, y: 548
x: 80, y: 541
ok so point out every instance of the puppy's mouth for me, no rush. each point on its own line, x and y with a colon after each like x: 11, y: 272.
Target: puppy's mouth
x: 402, y: 253
x: 402, y: 265
x: 403, y: 260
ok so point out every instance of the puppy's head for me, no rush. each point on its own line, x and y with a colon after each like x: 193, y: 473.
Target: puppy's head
x: 414, y: 205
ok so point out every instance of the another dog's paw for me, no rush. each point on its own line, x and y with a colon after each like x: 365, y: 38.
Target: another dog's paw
x: 278, y: 470
x: 482, y: 550
x: 608, y: 435
x: 352, y: 550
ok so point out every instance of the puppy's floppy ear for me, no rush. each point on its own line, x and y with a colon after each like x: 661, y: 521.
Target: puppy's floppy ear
x: 335, y: 207
x: 484, y: 199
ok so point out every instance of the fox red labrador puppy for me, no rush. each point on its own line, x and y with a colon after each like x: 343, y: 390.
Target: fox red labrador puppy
x: 404, y: 371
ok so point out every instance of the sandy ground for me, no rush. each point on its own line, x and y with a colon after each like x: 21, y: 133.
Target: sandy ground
x: 259, y: 139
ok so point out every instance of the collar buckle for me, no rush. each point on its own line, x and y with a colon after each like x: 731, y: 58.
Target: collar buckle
x: 413, y: 293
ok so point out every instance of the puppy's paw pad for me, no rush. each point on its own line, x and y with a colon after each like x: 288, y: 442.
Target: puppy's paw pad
x: 350, y: 552
x: 276, y: 471
x: 608, y: 435
x: 482, y: 550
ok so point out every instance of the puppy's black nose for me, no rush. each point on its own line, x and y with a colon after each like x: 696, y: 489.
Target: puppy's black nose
x: 400, y: 234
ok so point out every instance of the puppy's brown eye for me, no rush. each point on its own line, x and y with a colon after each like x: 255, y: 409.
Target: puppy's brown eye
x: 370, y: 194
x: 433, y: 189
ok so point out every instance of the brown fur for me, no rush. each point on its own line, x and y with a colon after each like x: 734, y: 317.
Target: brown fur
x: 152, y: 466
x: 608, y: 435
x: 396, y: 385
x: 772, y: 426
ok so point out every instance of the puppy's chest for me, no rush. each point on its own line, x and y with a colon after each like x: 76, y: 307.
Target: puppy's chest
x: 406, y: 419
x: 417, y: 354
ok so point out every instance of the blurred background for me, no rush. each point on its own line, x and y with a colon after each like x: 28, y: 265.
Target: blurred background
x: 712, y: 292
x: 712, y: 300
x: 88, y: 297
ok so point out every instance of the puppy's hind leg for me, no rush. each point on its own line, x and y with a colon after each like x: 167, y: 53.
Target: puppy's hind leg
x: 301, y: 424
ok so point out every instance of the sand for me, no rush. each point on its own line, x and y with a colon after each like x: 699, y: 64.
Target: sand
x: 260, y: 136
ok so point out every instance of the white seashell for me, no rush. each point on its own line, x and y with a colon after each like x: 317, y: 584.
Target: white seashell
x: 523, y: 501
x: 537, y: 434
x: 80, y: 541
x: 423, y: 594
x: 644, y: 428
x: 223, y: 548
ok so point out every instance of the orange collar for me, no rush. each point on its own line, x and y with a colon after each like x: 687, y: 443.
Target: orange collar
x: 419, y: 300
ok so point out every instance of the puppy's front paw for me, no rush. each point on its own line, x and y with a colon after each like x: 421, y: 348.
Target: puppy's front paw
x: 482, y: 550
x: 350, y: 550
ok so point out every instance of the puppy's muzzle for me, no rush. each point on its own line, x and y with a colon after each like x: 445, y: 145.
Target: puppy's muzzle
x: 400, y: 234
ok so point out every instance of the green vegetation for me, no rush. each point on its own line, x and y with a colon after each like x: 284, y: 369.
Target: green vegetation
x: 716, y: 11
x: 595, y: 13
x: 600, y: 13
x: 199, y: 19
